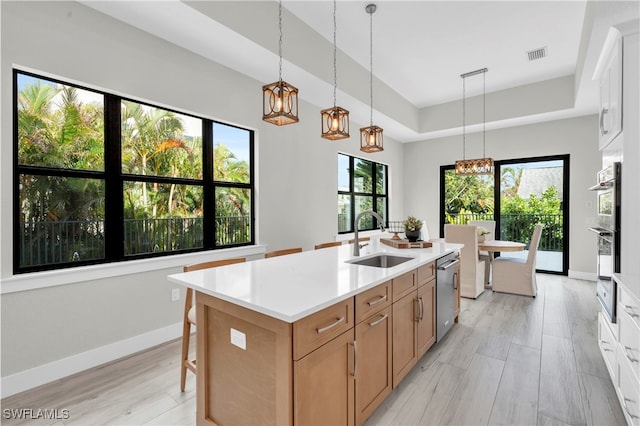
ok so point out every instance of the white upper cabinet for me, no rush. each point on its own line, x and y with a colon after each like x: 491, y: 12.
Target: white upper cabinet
x: 610, y: 75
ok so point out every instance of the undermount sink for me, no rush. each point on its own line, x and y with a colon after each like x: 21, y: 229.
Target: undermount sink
x: 381, y: 261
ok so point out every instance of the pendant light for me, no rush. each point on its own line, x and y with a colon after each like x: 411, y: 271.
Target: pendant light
x: 280, y: 99
x: 371, y: 137
x: 335, y: 121
x: 478, y: 166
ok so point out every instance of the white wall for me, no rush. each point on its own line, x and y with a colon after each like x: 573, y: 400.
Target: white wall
x: 296, y: 188
x: 577, y: 137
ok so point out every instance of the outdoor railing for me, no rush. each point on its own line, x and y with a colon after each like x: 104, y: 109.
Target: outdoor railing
x: 519, y: 227
x: 48, y: 242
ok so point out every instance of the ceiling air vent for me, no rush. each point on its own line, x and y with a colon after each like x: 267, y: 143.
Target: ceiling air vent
x: 537, y: 54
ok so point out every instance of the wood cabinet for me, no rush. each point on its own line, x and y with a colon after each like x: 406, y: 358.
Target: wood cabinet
x: 414, y: 321
x: 373, y: 366
x: 610, y: 118
x: 324, y: 384
x: 405, y: 344
x: 426, y: 318
x: 335, y: 366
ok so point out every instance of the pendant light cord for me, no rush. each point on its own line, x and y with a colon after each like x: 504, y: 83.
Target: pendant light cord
x: 464, y: 112
x: 484, y: 78
x: 280, y: 41
x: 371, y: 67
x: 335, y: 72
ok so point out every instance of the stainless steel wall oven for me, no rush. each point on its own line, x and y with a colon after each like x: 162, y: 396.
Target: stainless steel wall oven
x: 608, y: 231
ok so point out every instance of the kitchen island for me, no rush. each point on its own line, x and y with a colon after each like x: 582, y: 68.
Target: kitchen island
x: 310, y: 337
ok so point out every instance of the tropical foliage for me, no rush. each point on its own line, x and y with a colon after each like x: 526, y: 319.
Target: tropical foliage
x: 472, y: 198
x: 61, y: 155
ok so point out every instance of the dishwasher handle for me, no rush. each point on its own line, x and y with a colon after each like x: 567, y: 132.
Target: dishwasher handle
x: 448, y: 265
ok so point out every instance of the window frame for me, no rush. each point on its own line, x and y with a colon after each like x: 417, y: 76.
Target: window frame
x: 375, y: 195
x: 114, y: 179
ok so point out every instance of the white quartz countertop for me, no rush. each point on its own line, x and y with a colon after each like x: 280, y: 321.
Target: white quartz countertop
x: 630, y: 282
x: 294, y: 286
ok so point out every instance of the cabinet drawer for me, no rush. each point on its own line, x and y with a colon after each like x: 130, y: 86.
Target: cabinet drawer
x: 372, y: 301
x: 629, y: 305
x: 629, y: 341
x: 317, y: 329
x: 628, y: 391
x: 403, y: 285
x: 607, y: 345
x: 426, y: 273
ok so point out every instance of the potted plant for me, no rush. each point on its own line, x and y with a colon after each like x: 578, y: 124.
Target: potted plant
x: 482, y: 232
x: 412, y: 228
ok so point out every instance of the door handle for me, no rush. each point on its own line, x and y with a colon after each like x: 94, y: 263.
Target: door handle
x: 455, y: 280
x: 421, y: 308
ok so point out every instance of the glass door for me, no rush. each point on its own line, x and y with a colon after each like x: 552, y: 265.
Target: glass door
x: 531, y: 191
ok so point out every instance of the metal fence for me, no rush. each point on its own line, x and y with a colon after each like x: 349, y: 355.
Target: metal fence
x: 49, y: 242
x: 519, y: 227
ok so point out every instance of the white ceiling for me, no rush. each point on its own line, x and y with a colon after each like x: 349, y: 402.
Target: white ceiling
x: 420, y: 49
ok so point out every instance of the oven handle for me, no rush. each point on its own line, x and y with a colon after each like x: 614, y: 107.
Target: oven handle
x: 601, y: 232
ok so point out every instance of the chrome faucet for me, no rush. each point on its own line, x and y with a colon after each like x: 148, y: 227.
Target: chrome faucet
x: 356, y: 243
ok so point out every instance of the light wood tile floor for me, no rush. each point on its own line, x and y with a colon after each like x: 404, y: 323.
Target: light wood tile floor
x: 511, y: 360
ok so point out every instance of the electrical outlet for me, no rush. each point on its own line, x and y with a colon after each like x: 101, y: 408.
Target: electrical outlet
x: 238, y: 339
x: 175, y: 294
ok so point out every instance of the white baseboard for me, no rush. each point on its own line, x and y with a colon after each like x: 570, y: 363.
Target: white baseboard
x: 579, y: 275
x: 28, y: 379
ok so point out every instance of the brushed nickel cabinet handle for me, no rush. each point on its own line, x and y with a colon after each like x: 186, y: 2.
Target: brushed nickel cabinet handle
x: 330, y: 326
x: 355, y: 358
x: 455, y: 280
x: 626, y: 408
x: 379, y: 320
x: 629, y: 310
x: 602, y: 129
x: 626, y: 349
x: 380, y: 299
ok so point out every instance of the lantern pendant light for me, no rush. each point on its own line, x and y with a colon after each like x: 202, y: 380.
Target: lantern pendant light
x: 478, y: 166
x: 335, y: 121
x: 280, y: 99
x: 371, y: 137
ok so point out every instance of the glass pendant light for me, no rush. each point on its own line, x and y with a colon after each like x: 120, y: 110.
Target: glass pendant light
x: 280, y: 99
x: 371, y: 137
x: 478, y: 166
x: 335, y: 121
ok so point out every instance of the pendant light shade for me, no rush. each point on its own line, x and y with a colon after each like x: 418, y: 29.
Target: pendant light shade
x: 371, y: 137
x: 335, y: 121
x: 478, y: 166
x: 280, y: 99
x: 280, y: 103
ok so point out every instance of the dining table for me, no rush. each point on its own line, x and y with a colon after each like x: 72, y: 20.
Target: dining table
x: 494, y: 246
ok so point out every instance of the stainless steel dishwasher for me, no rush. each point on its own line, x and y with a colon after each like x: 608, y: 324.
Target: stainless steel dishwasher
x: 445, y: 280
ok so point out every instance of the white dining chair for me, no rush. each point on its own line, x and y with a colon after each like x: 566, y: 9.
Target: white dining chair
x: 489, y: 225
x: 518, y: 276
x: 471, y: 267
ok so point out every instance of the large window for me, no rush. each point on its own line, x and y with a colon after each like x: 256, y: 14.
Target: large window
x: 100, y: 178
x: 362, y: 186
